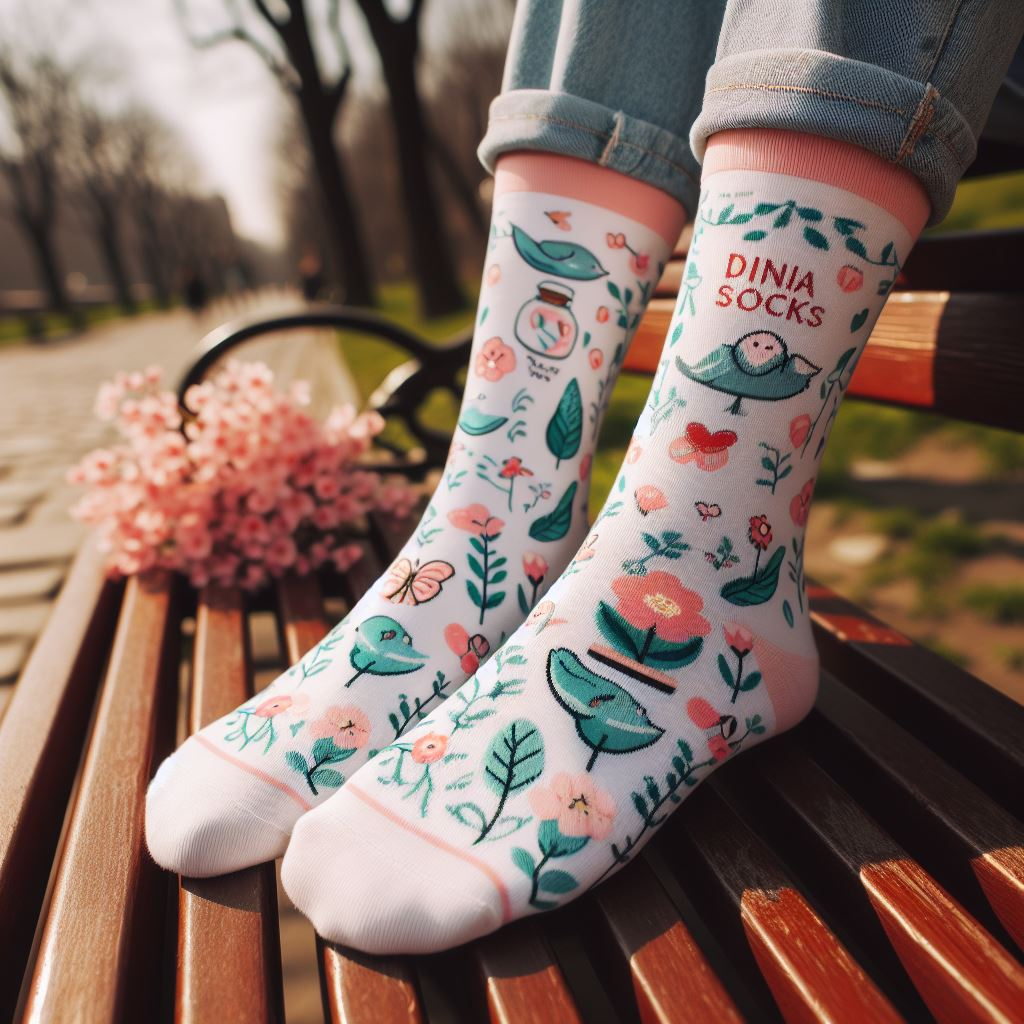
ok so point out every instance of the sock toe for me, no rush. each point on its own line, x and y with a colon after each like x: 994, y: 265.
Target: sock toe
x: 370, y: 881
x: 199, y: 820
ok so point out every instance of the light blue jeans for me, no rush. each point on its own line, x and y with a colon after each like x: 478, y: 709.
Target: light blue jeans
x: 640, y: 86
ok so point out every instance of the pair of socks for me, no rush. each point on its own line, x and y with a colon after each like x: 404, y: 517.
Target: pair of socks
x: 424, y: 813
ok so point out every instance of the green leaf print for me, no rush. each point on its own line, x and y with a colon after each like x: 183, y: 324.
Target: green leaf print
x: 514, y: 759
x: 756, y: 589
x: 565, y: 429
x: 475, y: 422
x: 523, y: 860
x: 555, y: 525
x: 556, y: 881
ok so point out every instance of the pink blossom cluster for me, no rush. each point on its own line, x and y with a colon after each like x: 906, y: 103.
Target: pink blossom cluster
x: 244, y: 486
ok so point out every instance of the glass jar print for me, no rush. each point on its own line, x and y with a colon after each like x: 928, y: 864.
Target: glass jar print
x: 546, y: 324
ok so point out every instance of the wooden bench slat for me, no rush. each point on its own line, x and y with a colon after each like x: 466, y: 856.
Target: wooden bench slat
x: 672, y: 979
x: 354, y: 987
x: 960, y: 971
x: 96, y: 959
x: 522, y: 979
x: 41, y: 736
x: 357, y: 987
x: 953, y: 712
x: 930, y: 350
x: 855, y: 739
x: 236, y: 912
x: 811, y: 974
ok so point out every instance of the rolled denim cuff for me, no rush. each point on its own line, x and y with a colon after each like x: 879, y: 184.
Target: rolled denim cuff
x: 535, y: 119
x: 905, y: 122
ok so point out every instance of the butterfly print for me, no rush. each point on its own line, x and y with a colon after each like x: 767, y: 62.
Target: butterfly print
x: 410, y: 583
x: 706, y: 511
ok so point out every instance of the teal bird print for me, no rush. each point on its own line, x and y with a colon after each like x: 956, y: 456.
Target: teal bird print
x: 563, y: 259
x: 608, y: 718
x: 757, y: 366
x: 383, y: 648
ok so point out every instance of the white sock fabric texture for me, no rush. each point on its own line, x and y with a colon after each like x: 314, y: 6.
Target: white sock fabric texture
x: 565, y: 284
x: 678, y: 636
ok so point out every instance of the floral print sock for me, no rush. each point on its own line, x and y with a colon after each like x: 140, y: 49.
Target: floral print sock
x: 679, y: 634
x: 565, y: 283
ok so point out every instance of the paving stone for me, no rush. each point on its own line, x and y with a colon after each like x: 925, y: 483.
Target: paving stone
x: 22, y: 585
x: 12, y: 656
x: 11, y: 515
x: 33, y: 545
x: 20, y: 492
x: 24, y: 620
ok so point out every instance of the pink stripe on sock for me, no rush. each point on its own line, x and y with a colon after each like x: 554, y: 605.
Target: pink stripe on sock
x: 492, y: 876
x: 262, y: 775
x: 829, y: 161
x: 578, y: 179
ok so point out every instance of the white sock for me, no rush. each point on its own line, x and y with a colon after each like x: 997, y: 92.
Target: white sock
x: 678, y: 636
x: 565, y: 283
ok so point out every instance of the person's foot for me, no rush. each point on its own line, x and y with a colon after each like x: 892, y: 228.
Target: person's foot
x: 677, y: 637
x: 565, y: 284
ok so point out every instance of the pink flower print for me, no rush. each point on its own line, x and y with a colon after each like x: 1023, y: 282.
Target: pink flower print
x: 615, y: 241
x: 585, y: 464
x: 577, y: 804
x: 535, y: 567
x: 800, y: 506
x: 494, y: 360
x: 850, y: 278
x: 493, y: 274
x: 513, y: 467
x: 560, y: 218
x: 738, y: 637
x: 430, y: 748
x: 596, y: 358
x: 639, y: 262
x: 633, y: 452
x: 760, y: 532
x: 470, y: 649
x: 587, y: 550
x: 719, y: 748
x: 291, y: 704
x: 602, y: 314
x: 347, y: 725
x: 660, y: 602
x: 799, y: 428
x: 649, y: 499
x: 706, y: 450
x: 476, y: 519
x: 702, y: 714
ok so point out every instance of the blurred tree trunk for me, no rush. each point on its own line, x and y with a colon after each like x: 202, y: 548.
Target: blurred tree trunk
x: 105, y: 225
x: 397, y: 42
x: 40, y: 236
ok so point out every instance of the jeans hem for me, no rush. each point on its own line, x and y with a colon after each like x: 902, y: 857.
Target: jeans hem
x: 906, y: 122
x: 535, y: 119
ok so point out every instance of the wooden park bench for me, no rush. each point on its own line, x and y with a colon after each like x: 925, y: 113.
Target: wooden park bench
x: 866, y: 867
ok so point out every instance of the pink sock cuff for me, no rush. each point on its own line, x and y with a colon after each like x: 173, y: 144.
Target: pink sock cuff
x: 527, y: 171
x: 829, y: 161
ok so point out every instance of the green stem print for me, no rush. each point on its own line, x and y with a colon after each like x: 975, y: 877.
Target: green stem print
x: 663, y: 405
x: 521, y: 402
x: 472, y: 703
x: 316, y: 769
x: 514, y: 760
x: 551, y: 845
x: 488, y: 571
x: 406, y: 714
x: 723, y: 556
x: 796, y: 571
x: 736, y: 681
x: 427, y: 752
x: 319, y: 658
x: 832, y: 381
x: 427, y: 533
x: 565, y: 428
x: 761, y: 584
x: 670, y: 546
x: 502, y: 477
x: 650, y: 803
x: 686, y: 307
x: 265, y: 732
x: 775, y: 464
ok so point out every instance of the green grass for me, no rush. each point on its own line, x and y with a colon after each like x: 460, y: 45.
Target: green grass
x: 1001, y: 604
x: 989, y: 203
x: 13, y: 329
